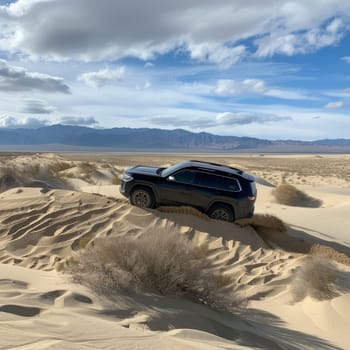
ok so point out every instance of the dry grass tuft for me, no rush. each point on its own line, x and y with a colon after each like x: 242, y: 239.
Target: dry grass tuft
x: 158, y: 262
x: 32, y: 175
x: 85, y: 240
x: 88, y: 169
x: 116, y: 180
x: 315, y: 277
x: 329, y: 253
x: 9, y: 178
x: 57, y: 167
x: 289, y: 195
x: 264, y: 222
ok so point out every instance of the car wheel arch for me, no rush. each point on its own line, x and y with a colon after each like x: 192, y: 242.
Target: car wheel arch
x: 216, y: 204
x: 146, y: 186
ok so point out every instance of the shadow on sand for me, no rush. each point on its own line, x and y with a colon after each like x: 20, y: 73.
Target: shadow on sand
x: 247, y: 327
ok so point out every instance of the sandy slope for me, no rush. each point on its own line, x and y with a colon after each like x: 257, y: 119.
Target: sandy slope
x: 41, y: 308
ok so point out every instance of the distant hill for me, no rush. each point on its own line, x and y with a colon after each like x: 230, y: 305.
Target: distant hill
x: 159, y: 140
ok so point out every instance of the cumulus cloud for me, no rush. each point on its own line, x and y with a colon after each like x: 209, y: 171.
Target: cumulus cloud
x: 34, y: 123
x: 282, y: 42
x: 33, y: 106
x: 228, y: 87
x: 228, y: 118
x: 14, y: 78
x: 82, y: 121
x: 346, y: 59
x: 149, y: 65
x: 334, y: 105
x: 221, y: 119
x: 204, y: 29
x: 183, y: 122
x: 234, y: 87
x: 218, y: 54
x: 14, y: 123
x: 102, y: 77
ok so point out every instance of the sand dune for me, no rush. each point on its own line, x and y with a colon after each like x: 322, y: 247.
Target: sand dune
x: 41, y: 308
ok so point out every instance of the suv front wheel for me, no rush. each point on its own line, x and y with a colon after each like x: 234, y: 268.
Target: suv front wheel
x: 221, y: 212
x: 142, y: 197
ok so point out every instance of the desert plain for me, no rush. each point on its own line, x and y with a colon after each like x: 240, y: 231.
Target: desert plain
x: 287, y: 269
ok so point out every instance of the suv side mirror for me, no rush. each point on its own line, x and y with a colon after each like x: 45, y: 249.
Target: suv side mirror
x: 171, y: 178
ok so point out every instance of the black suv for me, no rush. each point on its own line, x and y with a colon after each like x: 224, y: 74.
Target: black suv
x: 222, y: 192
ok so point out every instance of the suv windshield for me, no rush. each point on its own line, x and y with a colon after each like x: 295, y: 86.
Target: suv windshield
x: 168, y: 171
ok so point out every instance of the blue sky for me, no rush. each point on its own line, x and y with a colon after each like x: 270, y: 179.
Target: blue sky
x: 270, y: 69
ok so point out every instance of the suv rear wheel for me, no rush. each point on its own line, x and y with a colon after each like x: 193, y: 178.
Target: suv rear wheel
x: 142, y: 197
x: 221, y: 212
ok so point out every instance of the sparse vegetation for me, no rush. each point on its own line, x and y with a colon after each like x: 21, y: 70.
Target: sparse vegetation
x: 316, y: 277
x: 85, y: 240
x: 9, y: 179
x: 164, y: 263
x: 57, y: 167
x: 289, y: 195
x: 116, y: 179
x: 263, y: 222
x: 201, y: 251
x: 87, y: 170
x: 33, y: 175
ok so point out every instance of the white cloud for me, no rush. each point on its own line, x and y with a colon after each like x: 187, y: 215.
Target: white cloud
x: 210, y: 31
x: 334, y: 105
x: 147, y: 84
x: 233, y: 87
x: 227, y: 87
x: 20, y: 8
x: 346, y: 59
x: 218, y: 54
x: 282, y: 42
x: 228, y: 118
x: 12, y: 122
x: 33, y: 106
x: 82, y: 121
x: 213, y: 120
x: 102, y: 77
x: 149, y: 65
x: 14, y: 78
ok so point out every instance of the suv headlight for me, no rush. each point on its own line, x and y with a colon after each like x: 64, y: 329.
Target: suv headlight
x: 126, y: 177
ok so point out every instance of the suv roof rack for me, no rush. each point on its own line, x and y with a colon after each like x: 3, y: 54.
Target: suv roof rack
x: 239, y: 171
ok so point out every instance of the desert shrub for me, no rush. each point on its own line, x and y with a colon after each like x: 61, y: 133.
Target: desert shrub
x: 87, y: 167
x: 57, y: 167
x: 33, y: 171
x: 315, y: 277
x: 9, y: 178
x: 263, y: 222
x: 157, y: 262
x: 116, y: 180
x: 289, y: 195
x: 31, y: 176
x: 85, y: 240
x: 201, y: 251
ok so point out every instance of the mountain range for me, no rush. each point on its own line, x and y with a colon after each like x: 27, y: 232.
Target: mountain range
x: 143, y: 139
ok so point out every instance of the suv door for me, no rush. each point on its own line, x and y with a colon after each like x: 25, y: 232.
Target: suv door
x: 206, y: 187
x: 210, y: 187
x: 177, y: 188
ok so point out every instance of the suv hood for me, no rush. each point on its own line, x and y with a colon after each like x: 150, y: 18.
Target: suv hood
x: 140, y: 169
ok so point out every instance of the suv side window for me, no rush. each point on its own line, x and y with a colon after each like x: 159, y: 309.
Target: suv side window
x: 210, y: 180
x: 219, y: 182
x: 232, y: 184
x: 185, y: 176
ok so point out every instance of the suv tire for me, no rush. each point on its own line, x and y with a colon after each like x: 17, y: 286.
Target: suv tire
x: 221, y: 212
x: 142, y: 197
